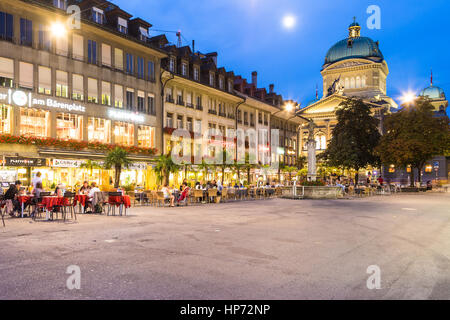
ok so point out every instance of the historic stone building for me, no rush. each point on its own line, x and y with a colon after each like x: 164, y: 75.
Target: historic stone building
x: 353, y: 67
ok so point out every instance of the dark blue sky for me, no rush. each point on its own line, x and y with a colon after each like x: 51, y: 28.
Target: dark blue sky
x: 249, y: 35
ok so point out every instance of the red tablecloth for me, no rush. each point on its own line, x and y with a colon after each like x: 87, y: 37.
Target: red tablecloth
x: 50, y: 202
x: 118, y: 200
x: 81, y: 198
x: 24, y: 199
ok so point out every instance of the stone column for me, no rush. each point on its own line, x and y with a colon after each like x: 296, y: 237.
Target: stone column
x: 312, y: 167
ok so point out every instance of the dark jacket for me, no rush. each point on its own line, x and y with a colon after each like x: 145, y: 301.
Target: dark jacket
x: 11, y: 193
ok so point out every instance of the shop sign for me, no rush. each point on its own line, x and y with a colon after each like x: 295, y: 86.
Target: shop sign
x: 64, y: 163
x: 137, y: 166
x: 22, y: 99
x: 436, y: 165
x: 126, y: 116
x: 24, y: 162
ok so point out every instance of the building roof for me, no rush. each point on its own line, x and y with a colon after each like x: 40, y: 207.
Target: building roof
x: 350, y: 48
x: 433, y: 92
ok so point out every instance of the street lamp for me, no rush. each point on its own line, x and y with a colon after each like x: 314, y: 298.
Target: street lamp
x: 58, y: 30
x: 408, y: 98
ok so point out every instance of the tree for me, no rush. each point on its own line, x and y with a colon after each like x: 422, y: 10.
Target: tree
x: 90, y: 165
x: 164, y: 167
x: 117, y: 159
x: 301, y: 162
x: 226, y: 160
x: 413, y: 136
x: 290, y: 170
x: 355, y: 137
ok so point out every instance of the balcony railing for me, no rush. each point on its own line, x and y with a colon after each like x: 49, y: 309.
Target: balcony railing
x: 169, y: 99
x: 189, y: 105
x: 212, y: 112
x: 222, y: 114
x: 180, y: 102
x: 199, y: 107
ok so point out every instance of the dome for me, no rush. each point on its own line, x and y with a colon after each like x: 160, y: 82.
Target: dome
x: 433, y: 92
x: 350, y: 48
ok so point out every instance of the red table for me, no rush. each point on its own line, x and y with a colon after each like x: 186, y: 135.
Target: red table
x: 23, y: 200
x: 119, y: 200
x: 50, y: 202
x: 81, y: 198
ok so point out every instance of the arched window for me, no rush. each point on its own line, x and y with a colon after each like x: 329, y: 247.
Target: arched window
x: 358, y: 82
x: 321, y: 141
x: 347, y: 83
x: 352, y: 83
x: 363, y: 82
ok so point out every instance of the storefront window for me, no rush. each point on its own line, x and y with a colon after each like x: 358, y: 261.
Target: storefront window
x: 69, y: 126
x: 5, y: 119
x: 124, y: 133
x: 146, y: 137
x: 99, y: 130
x: 34, y: 122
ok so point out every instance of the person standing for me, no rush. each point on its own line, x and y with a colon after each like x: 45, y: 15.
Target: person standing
x: 12, y: 194
x: 37, y: 179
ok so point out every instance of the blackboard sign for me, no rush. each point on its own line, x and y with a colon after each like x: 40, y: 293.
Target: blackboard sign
x: 24, y: 162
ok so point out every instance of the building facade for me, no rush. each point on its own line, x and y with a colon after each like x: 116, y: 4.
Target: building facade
x: 83, y: 89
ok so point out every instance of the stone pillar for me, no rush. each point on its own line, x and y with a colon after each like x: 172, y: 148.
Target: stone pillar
x: 312, y: 167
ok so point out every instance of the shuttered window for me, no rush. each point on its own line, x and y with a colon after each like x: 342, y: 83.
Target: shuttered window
x: 26, y: 75
x: 78, y: 47
x: 77, y: 87
x: 106, y: 55
x: 45, y: 80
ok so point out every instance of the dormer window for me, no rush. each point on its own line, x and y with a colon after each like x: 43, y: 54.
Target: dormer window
x: 60, y: 4
x: 143, y: 34
x: 211, y: 79
x: 230, y: 86
x: 172, y: 65
x: 122, y: 25
x: 196, y: 74
x: 221, y: 83
x: 184, y: 69
x: 97, y: 15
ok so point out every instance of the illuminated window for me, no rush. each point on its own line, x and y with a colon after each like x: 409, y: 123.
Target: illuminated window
x: 391, y: 168
x: 69, y: 126
x: 77, y: 87
x: 428, y: 168
x: 5, y: 119
x: 124, y: 133
x: 62, y: 84
x: 146, y: 137
x: 62, y: 46
x: 408, y: 169
x: 99, y: 130
x: 34, y: 122
x: 6, y: 72
x: 321, y: 142
x: 92, y: 90
x: 106, y: 93
x: 45, y: 80
x: 118, y: 96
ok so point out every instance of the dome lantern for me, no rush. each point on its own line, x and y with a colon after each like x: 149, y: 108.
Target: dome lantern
x: 354, y: 30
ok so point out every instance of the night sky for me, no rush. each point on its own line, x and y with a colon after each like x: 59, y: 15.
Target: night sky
x: 249, y: 35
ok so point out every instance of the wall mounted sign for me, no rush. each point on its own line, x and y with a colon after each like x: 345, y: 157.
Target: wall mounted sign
x: 126, y: 116
x: 64, y: 163
x: 22, y: 99
x: 24, y: 162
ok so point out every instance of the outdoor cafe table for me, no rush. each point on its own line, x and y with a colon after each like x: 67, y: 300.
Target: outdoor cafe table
x: 50, y: 202
x: 120, y: 201
x: 24, y: 200
x: 80, y: 199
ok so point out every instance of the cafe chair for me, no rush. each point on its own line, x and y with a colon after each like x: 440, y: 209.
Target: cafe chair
x: 67, y: 205
x: 198, y: 195
x: 132, y: 196
x: 212, y: 195
x: 225, y: 195
x: 160, y: 199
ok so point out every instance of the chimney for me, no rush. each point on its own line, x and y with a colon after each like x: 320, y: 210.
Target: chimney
x: 271, y: 87
x: 193, y: 46
x: 255, y: 79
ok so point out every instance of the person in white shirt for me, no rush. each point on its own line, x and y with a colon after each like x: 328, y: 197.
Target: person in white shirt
x: 91, y: 194
x: 36, y: 180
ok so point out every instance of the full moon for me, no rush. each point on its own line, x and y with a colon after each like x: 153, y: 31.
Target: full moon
x: 289, y: 22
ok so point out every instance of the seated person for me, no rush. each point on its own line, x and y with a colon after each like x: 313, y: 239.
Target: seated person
x: 91, y: 194
x: 37, y: 197
x: 85, y: 188
x: 184, y: 193
x: 168, y: 195
x: 11, y: 194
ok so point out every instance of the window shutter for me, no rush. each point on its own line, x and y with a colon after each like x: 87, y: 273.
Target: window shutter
x: 78, y: 86
x: 118, y: 59
x: 26, y: 75
x: 92, y: 88
x: 78, y: 47
x: 106, y: 88
x: 45, y: 77
x: 106, y: 54
x: 118, y: 93
x: 7, y: 68
x: 61, y: 78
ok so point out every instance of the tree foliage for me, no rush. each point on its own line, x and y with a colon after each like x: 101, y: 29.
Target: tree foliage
x: 413, y: 136
x: 164, y: 167
x: 354, y: 138
x: 117, y: 159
